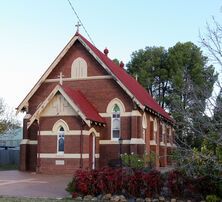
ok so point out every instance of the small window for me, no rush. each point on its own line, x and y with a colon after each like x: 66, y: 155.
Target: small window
x: 163, y: 132
x: 144, y: 126
x: 60, y: 140
x: 155, y: 130
x: 79, y: 68
x: 116, y: 122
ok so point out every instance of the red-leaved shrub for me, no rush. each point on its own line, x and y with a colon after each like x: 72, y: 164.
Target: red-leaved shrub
x: 115, y: 181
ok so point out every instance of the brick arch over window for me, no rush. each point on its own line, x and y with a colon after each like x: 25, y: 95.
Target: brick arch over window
x: 79, y: 68
x: 60, y: 128
x: 114, y: 102
x: 58, y: 124
x: 115, y: 108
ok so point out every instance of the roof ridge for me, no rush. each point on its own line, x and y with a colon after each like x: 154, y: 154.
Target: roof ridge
x: 131, y: 84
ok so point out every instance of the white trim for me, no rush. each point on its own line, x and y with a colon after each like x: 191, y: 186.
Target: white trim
x: 58, y: 124
x: 153, y: 142
x: 132, y: 141
x: 49, y: 98
x: 27, y: 116
x: 46, y: 74
x: 97, y: 156
x: 63, y: 156
x: 70, y: 132
x: 144, y: 121
x: 92, y: 130
x: 93, y: 151
x: 59, y: 162
x: 155, y: 125
x: 28, y: 141
x: 124, y: 114
x: 112, y: 103
x: 174, y: 145
x: 113, y: 141
x: 56, y: 61
x: 76, y: 79
x: 169, y: 145
x: 136, y: 113
x: 112, y: 74
x: 162, y: 144
x: 79, y: 68
x: 137, y: 141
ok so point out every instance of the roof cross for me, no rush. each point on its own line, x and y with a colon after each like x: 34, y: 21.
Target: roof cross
x: 60, y: 78
x: 78, y: 25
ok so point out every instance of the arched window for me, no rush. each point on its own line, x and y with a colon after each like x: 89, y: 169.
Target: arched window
x: 155, y: 130
x: 163, y: 133
x: 116, y: 122
x: 79, y: 68
x: 144, y: 125
x: 60, y: 140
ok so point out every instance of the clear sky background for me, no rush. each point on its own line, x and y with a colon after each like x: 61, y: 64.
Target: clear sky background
x: 32, y: 33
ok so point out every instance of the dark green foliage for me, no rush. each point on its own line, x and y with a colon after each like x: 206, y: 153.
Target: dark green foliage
x: 192, y: 85
x: 150, y: 66
x: 180, y: 80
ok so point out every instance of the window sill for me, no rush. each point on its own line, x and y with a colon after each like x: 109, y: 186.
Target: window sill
x: 60, y: 154
x: 153, y: 142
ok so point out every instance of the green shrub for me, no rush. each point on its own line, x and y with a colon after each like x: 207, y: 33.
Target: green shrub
x: 138, y: 162
x: 212, y: 198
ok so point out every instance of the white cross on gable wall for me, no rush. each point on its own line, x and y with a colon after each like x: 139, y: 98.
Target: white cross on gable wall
x: 60, y: 78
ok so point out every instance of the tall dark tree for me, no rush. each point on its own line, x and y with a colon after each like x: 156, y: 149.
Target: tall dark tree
x: 206, y: 161
x: 180, y: 80
x: 151, y: 69
x: 192, y: 85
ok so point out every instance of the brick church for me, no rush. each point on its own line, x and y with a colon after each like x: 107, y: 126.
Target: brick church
x: 80, y: 109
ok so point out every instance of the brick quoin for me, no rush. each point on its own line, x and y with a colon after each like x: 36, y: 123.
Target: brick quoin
x: 38, y: 150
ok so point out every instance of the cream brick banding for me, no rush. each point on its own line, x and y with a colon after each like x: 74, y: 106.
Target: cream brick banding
x: 65, y: 156
x: 76, y: 79
x: 132, y: 141
x: 70, y: 132
x: 28, y: 141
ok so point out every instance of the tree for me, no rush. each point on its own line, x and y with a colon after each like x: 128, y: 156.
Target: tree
x: 8, y: 121
x: 116, y: 61
x: 176, y: 78
x: 207, y: 159
x: 150, y: 66
x: 191, y: 86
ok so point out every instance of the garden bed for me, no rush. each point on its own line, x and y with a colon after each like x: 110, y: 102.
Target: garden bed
x: 122, y: 184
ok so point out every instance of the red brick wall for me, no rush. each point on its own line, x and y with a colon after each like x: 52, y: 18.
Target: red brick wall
x: 77, y: 50
x: 74, y: 122
x: 99, y: 92
x: 49, y: 166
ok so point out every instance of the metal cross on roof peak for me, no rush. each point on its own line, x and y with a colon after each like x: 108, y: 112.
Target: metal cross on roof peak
x: 78, y: 25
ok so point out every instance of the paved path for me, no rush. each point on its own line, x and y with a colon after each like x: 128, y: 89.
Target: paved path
x: 23, y: 184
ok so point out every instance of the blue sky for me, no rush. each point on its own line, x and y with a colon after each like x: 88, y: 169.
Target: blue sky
x: 32, y: 33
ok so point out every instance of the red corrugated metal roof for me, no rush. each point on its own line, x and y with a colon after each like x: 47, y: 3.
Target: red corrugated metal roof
x: 129, y: 82
x: 83, y: 104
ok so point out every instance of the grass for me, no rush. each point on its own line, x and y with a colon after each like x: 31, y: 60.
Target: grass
x: 18, y: 199
x: 8, y: 167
